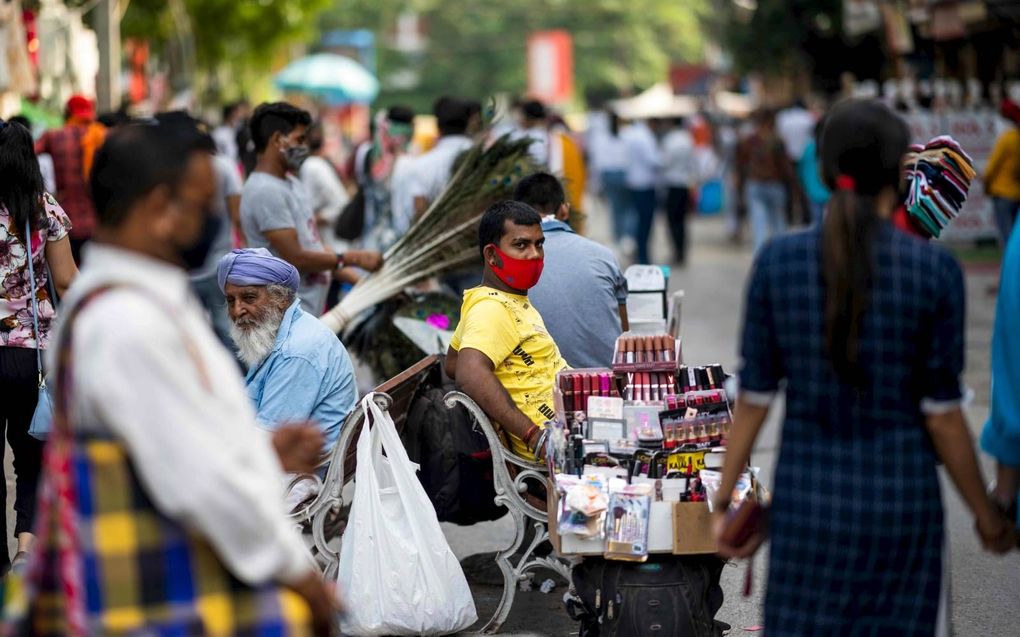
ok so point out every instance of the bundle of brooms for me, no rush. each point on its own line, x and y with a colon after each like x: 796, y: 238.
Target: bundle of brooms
x: 446, y: 236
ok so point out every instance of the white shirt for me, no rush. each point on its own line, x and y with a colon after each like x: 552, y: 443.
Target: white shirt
x: 608, y: 152
x: 432, y: 170
x: 402, y: 186
x: 540, y: 144
x: 679, y: 163
x: 49, y: 174
x: 796, y: 127
x: 327, y: 195
x: 198, y: 452
x: 642, y: 156
x: 226, y: 141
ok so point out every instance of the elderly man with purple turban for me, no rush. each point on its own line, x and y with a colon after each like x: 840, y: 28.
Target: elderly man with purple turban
x: 297, y: 368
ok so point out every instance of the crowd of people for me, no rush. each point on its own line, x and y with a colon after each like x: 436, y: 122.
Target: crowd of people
x: 192, y: 380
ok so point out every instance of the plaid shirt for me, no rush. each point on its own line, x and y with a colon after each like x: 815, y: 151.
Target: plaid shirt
x: 856, y: 522
x: 64, y: 146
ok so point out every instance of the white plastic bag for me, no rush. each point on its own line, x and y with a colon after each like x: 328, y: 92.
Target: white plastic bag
x: 397, y: 574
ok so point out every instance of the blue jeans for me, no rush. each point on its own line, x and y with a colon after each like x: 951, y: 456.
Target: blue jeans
x: 644, y: 202
x: 1005, y: 217
x: 624, y: 220
x: 766, y: 207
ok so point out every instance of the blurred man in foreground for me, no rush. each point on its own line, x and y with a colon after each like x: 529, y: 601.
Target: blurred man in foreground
x: 161, y: 508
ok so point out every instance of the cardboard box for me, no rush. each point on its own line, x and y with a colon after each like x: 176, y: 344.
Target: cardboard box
x: 692, y: 529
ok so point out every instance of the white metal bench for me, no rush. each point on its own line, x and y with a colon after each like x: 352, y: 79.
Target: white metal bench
x: 511, y: 492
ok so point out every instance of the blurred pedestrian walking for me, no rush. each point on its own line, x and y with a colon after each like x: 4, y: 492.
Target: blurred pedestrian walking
x: 326, y: 192
x: 608, y: 157
x: 642, y: 174
x: 187, y: 534
x: 810, y: 176
x: 680, y: 178
x: 25, y: 326
x: 764, y: 177
x: 1002, y: 172
x: 235, y: 116
x: 72, y: 148
x: 865, y: 327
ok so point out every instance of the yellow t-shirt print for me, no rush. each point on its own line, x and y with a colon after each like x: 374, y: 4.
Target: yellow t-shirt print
x: 510, y: 331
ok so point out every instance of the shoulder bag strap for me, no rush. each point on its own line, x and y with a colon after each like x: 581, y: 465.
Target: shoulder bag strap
x: 35, y: 305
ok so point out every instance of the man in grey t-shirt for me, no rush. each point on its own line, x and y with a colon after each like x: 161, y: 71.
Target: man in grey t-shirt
x: 582, y: 295
x: 269, y: 203
x: 276, y: 212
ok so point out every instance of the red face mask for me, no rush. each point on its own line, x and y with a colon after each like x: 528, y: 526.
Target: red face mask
x: 520, y: 274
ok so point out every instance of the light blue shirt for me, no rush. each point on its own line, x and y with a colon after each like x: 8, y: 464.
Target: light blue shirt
x: 1001, y: 436
x: 579, y: 296
x: 307, y: 376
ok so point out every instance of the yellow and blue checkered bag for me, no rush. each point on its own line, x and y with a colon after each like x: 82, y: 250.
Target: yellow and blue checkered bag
x: 108, y: 562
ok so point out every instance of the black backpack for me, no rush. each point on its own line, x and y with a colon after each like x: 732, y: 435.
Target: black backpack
x: 667, y: 595
x: 350, y: 224
x: 456, y: 463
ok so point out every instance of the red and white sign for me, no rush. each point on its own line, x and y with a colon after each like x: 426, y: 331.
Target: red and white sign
x: 551, y: 66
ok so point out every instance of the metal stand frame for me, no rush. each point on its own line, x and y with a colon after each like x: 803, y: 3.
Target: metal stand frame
x: 510, y: 492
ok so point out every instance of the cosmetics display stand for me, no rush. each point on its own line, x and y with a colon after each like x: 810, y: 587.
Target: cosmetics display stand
x: 636, y: 453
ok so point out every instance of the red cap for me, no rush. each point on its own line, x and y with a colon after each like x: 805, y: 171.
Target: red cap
x: 1010, y: 110
x: 80, y: 107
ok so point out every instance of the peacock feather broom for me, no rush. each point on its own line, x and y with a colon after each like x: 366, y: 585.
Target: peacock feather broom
x: 446, y: 236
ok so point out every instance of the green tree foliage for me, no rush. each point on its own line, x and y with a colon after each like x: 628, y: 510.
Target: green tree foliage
x: 231, y: 38
x: 477, y: 47
x: 776, y: 36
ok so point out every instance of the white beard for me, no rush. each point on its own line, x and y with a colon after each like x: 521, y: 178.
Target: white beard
x: 255, y: 342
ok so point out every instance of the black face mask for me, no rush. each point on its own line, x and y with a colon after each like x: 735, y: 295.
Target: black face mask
x: 195, y: 256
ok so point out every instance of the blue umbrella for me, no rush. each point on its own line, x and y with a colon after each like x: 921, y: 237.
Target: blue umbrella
x: 332, y: 78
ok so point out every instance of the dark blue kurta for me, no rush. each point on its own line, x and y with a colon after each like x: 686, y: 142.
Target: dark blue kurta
x: 857, y: 524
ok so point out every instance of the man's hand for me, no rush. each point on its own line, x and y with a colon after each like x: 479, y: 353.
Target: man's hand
x: 322, y: 600
x: 370, y: 260
x: 299, y: 446
x: 346, y: 275
x: 997, y: 534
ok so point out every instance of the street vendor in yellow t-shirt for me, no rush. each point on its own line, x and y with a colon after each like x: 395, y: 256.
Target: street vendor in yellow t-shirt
x: 501, y: 354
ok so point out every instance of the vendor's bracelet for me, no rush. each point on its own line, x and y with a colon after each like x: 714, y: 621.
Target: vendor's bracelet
x: 529, y: 435
x: 339, y: 260
x: 541, y: 441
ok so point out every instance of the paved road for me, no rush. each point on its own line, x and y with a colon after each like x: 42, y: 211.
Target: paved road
x: 984, y: 589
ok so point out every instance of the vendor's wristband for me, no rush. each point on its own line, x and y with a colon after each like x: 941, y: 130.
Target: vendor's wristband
x: 529, y: 435
x: 540, y: 443
x: 339, y: 260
